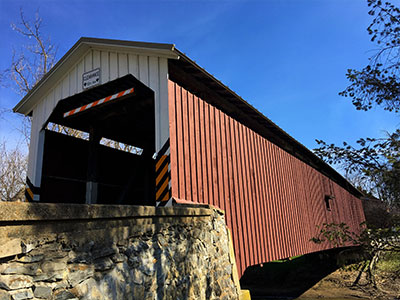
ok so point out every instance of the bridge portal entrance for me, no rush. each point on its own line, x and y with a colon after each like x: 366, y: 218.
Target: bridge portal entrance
x: 98, y: 146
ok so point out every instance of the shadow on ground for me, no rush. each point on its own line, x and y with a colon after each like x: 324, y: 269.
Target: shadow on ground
x: 290, y: 278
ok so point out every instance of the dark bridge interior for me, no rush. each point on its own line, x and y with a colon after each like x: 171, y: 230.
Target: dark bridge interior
x: 76, y: 170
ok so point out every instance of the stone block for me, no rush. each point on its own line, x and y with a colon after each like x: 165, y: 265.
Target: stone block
x: 85, y: 288
x: 53, y: 265
x: 27, y: 247
x: 15, y: 282
x: 78, y: 273
x: 21, y: 294
x: 104, y: 250
x: 10, y: 247
x: 60, y: 284
x: 118, y: 258
x: 103, y: 264
x: 64, y: 295
x: 49, y: 277
x: 19, y: 268
x: 76, y: 258
x: 4, y: 295
x: 31, y: 258
x: 42, y: 291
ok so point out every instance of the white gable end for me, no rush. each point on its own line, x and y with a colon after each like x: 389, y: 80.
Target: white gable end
x: 150, y: 68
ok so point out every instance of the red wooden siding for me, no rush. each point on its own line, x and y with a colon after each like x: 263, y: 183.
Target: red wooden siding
x: 272, y: 200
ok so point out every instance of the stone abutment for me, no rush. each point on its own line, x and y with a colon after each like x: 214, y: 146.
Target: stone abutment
x: 66, y: 251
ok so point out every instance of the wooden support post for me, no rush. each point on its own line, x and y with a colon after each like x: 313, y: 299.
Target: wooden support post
x: 37, y: 177
x: 92, y: 171
x: 149, y: 177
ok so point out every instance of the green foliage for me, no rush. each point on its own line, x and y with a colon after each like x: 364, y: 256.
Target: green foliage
x: 372, y: 240
x: 375, y: 243
x: 337, y: 235
x: 378, y: 83
x: 374, y: 166
x: 354, y: 267
x: 389, y: 263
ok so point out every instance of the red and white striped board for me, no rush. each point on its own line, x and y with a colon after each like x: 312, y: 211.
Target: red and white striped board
x: 98, y: 102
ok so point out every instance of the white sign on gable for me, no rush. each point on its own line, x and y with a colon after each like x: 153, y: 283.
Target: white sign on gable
x: 91, y: 78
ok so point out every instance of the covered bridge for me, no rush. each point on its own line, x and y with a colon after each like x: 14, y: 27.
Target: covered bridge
x: 190, y: 138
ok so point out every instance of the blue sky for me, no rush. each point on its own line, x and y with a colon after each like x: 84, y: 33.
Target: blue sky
x: 286, y: 58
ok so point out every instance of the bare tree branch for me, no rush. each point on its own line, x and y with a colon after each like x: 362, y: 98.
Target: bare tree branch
x: 33, y: 60
x: 12, y: 173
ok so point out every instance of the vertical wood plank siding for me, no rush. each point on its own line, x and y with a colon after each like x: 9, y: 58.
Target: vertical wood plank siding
x: 272, y: 200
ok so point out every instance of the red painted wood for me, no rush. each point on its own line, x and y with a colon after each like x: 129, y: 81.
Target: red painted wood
x: 292, y: 195
x: 192, y: 148
x: 208, y: 152
x: 218, y: 153
x: 225, y: 177
x: 280, y: 213
x: 243, y: 207
x: 300, y: 197
x: 173, y: 138
x: 272, y: 200
x: 186, y: 146
x: 214, y: 162
x: 289, y: 205
x: 203, y: 143
x: 275, y: 242
x: 266, y: 200
x: 308, y: 209
x: 237, y: 196
x: 288, y: 218
x: 180, y: 144
x: 257, y: 198
x: 252, y: 195
x: 249, y: 203
x: 261, y: 200
x: 300, y: 205
x: 199, y: 160
x: 235, y: 214
x: 273, y: 196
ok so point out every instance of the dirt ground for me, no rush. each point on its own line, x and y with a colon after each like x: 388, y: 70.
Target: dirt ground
x: 318, y: 276
x: 338, y: 285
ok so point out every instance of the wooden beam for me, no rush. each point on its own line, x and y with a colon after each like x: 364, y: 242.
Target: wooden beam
x: 92, y: 172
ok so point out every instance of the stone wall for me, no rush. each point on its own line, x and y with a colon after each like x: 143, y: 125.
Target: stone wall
x: 60, y: 251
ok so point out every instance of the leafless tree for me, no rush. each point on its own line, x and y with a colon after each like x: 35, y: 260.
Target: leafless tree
x: 33, y: 60
x: 29, y: 63
x: 12, y: 173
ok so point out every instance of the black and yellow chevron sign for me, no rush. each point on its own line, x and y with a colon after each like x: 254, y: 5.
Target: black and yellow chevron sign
x: 30, y: 191
x: 163, y: 175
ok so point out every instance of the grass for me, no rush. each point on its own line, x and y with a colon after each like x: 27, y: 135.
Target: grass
x: 354, y: 267
x: 287, y: 259
x: 389, y: 262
